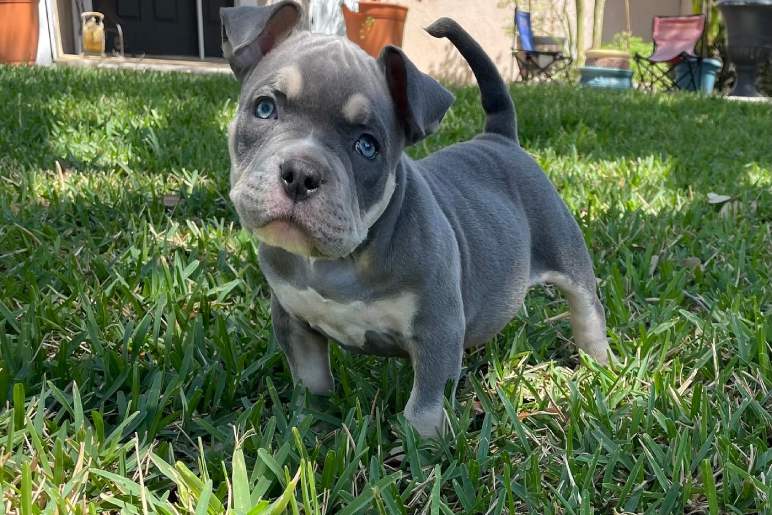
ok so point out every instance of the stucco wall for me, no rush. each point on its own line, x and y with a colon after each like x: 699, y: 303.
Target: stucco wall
x: 490, y: 25
x: 491, y: 22
x: 641, y: 15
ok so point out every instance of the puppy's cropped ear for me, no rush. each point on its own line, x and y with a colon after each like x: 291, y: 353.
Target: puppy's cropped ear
x: 251, y: 32
x: 420, y: 101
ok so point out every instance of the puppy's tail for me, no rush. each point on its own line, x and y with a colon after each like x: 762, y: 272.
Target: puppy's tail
x: 494, y: 93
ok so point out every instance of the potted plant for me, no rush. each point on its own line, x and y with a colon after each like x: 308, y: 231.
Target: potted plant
x: 18, y: 31
x: 375, y: 25
x: 607, y: 68
x: 607, y: 57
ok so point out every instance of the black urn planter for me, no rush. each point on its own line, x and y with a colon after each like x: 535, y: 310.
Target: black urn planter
x: 748, y: 40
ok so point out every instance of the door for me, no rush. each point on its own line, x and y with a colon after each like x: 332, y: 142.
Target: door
x: 164, y: 27
x: 212, y: 26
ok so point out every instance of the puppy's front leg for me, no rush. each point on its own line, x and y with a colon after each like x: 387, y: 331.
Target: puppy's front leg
x: 306, y: 350
x: 436, y: 359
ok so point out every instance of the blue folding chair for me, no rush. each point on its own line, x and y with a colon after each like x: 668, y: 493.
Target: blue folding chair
x: 535, y: 64
x: 524, y: 31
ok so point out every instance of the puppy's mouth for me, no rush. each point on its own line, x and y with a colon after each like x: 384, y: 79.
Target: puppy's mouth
x: 288, y: 234
x: 311, y: 229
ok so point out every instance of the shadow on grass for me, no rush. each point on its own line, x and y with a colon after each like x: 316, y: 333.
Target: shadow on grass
x: 154, y: 122
x: 707, y: 141
x: 704, y: 141
x: 107, y: 120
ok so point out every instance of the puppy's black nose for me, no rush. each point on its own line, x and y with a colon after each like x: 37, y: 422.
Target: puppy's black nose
x: 299, y: 179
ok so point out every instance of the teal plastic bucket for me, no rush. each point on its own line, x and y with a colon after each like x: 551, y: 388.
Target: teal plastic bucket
x: 704, y: 75
x: 600, y: 77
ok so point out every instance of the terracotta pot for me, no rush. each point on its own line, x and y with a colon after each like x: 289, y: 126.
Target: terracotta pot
x: 608, y: 59
x: 376, y: 25
x: 18, y: 31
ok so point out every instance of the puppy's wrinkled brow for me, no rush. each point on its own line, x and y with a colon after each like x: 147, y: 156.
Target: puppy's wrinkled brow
x: 356, y: 110
x: 289, y: 81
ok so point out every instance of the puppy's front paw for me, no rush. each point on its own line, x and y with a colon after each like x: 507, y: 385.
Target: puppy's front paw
x: 318, y: 382
x: 600, y: 351
x: 428, y: 422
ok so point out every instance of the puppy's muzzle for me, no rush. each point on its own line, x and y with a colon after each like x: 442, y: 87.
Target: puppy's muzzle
x: 300, y: 179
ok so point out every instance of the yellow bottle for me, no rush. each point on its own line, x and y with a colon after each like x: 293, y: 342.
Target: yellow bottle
x: 93, y: 33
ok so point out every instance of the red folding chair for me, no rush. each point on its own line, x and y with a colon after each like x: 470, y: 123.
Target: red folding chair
x: 674, y: 40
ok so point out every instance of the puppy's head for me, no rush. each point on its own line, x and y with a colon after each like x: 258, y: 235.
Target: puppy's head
x: 319, y: 130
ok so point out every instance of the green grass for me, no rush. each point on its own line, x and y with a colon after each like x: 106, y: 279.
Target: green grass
x: 138, y: 372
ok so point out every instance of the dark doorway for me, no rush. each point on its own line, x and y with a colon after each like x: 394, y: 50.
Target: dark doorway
x: 212, y: 26
x: 164, y: 27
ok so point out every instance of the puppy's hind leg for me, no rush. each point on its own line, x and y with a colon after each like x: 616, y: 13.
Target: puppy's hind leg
x: 588, y: 321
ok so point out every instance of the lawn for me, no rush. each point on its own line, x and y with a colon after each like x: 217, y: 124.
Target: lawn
x: 138, y: 371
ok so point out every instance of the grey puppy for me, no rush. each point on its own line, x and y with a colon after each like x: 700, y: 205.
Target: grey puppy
x: 367, y: 247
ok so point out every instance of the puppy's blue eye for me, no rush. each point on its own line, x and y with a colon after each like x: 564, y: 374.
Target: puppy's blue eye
x: 366, y: 146
x: 265, y: 108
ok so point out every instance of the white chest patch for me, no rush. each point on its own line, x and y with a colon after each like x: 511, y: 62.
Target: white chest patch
x: 348, y: 322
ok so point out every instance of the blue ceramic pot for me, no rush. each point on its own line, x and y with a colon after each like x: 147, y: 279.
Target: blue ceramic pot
x: 697, y: 76
x: 614, y: 78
